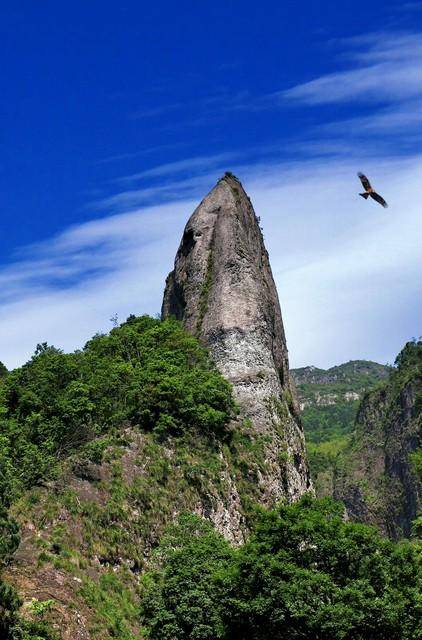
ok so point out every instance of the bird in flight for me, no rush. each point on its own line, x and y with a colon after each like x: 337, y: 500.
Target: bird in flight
x: 369, y: 191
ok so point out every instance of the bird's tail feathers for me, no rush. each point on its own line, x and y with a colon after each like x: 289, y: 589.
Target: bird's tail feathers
x: 364, y: 195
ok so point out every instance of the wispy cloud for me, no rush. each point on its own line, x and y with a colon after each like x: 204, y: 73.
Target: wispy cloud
x: 389, y: 70
x: 384, y: 69
x: 404, y: 117
x: 347, y: 267
x: 185, y: 165
x: 171, y: 191
x: 146, y: 151
x: 67, y: 288
x: 348, y: 273
x: 203, y: 110
x: 410, y: 6
x: 381, y: 93
x: 153, y: 112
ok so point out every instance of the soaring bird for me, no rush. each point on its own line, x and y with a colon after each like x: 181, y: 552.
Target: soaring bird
x: 369, y: 191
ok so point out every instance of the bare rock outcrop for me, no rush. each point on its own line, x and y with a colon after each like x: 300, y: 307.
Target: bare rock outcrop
x: 223, y: 290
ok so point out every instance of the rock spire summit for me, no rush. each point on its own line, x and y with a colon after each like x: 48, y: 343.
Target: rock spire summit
x: 223, y: 290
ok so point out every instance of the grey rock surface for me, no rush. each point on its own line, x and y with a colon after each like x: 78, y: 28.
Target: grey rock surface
x: 223, y: 290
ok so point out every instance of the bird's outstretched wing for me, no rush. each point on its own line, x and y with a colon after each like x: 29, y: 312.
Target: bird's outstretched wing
x: 376, y: 196
x: 365, y: 182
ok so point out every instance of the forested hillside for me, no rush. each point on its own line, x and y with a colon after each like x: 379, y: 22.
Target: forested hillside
x: 329, y: 400
x: 129, y: 510
x: 98, y: 448
x: 379, y: 472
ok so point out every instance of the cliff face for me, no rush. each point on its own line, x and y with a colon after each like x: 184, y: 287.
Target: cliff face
x: 223, y: 290
x: 329, y: 401
x: 376, y: 479
x: 86, y: 537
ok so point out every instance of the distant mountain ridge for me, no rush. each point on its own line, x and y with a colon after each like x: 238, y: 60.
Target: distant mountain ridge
x: 362, y: 422
x: 345, y: 371
x: 349, y: 380
x: 334, y: 394
x: 329, y: 401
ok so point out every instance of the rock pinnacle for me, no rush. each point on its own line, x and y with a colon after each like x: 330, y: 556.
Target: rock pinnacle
x: 223, y: 290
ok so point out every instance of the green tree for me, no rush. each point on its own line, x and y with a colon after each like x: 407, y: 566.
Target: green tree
x: 180, y: 596
x: 148, y: 372
x: 304, y: 574
x: 308, y: 574
x: 9, y: 601
x: 416, y: 462
x: 145, y: 371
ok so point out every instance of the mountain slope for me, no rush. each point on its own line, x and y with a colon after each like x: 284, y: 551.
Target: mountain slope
x: 363, y: 431
x: 329, y: 400
x: 376, y: 478
x: 103, y: 448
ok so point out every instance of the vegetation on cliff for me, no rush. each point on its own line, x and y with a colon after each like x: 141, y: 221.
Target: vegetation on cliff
x: 101, y: 448
x: 64, y: 415
x: 330, y: 400
x: 378, y: 475
x: 363, y: 427
x: 147, y: 372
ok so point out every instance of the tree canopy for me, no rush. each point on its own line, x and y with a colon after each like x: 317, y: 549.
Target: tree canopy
x: 148, y: 372
x: 304, y: 574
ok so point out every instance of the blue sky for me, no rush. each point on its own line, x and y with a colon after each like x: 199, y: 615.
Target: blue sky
x: 118, y: 117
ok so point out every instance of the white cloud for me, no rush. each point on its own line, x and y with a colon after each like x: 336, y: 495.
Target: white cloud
x: 410, y: 6
x: 390, y: 70
x: 348, y: 275
x: 187, y: 164
x: 126, y: 200
x: 347, y: 271
x: 120, y: 263
x: 158, y: 110
x: 403, y: 119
